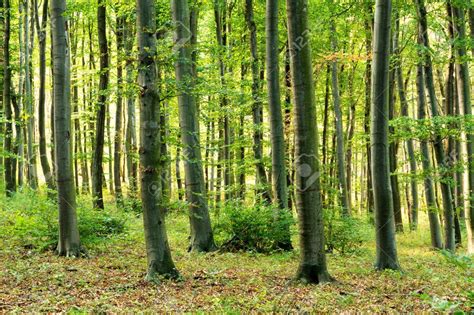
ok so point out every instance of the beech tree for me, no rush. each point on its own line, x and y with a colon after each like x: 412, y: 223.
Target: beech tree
x: 97, y: 168
x: 312, y: 267
x: 202, y: 238
x: 69, y: 242
x: 157, y: 247
x: 386, y: 248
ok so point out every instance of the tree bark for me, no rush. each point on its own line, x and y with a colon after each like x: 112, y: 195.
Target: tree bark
x: 262, y: 181
x: 386, y: 248
x: 158, y: 250
x: 279, y: 174
x: 464, y: 94
x: 118, y: 112
x: 202, y: 239
x: 312, y: 267
x: 449, y: 243
x: 97, y: 161
x: 69, y: 242
x: 341, y: 163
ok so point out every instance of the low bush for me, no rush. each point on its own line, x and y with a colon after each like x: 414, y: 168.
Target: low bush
x: 258, y: 228
x: 345, y: 234
x: 30, y: 220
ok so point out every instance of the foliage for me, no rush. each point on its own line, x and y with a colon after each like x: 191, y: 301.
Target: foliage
x: 111, y: 280
x: 251, y: 228
x: 346, y: 234
x: 30, y: 219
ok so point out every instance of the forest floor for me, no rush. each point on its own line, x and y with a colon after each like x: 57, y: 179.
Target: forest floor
x: 112, y: 279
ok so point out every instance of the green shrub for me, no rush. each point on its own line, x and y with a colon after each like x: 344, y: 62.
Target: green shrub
x: 246, y: 228
x: 345, y: 235
x: 30, y: 219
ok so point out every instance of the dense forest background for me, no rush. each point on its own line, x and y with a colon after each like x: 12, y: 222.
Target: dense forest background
x: 216, y: 149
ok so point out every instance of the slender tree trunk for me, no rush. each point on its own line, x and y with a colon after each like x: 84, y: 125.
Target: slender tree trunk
x: 386, y: 247
x: 262, y: 181
x: 130, y: 133
x: 409, y: 143
x: 312, y: 267
x: 158, y: 250
x: 368, y: 100
x: 118, y: 112
x: 31, y: 154
x: 435, y: 230
x: 279, y: 175
x: 69, y: 242
x: 48, y: 175
x: 464, y: 93
x: 393, y: 145
x: 202, y: 239
x: 449, y: 243
x: 341, y: 163
x: 220, y: 8
x: 97, y: 161
x: 10, y: 186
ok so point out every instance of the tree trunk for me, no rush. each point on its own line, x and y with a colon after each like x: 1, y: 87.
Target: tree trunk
x: 279, y: 175
x: 464, y: 93
x: 97, y: 161
x: 341, y: 163
x: 435, y: 230
x: 158, y: 250
x: 202, y: 239
x: 31, y: 152
x: 386, y: 247
x: 48, y: 175
x: 118, y: 112
x: 312, y: 267
x: 69, y: 242
x: 10, y: 186
x: 130, y: 133
x: 409, y: 142
x: 262, y: 181
x: 393, y: 145
x: 449, y: 243
x: 368, y: 100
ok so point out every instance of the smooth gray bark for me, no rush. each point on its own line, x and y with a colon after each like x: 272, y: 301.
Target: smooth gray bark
x: 69, y: 242
x: 449, y: 242
x: 312, y: 267
x: 10, y: 186
x: 340, y: 150
x: 435, y: 230
x: 97, y: 160
x: 279, y: 175
x: 386, y: 248
x: 158, y: 250
x: 464, y: 94
x: 202, y: 239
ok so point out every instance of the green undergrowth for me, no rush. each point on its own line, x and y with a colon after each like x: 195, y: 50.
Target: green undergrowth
x: 111, y: 280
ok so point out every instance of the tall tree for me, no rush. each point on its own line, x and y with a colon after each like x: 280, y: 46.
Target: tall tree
x: 118, y: 111
x: 279, y: 174
x: 41, y: 29
x: 449, y: 242
x: 202, y: 238
x: 312, y: 266
x: 158, y: 250
x: 69, y: 242
x: 435, y: 230
x: 97, y: 168
x: 31, y: 151
x: 257, y: 106
x: 464, y: 93
x: 10, y: 186
x: 386, y: 247
x: 341, y: 162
